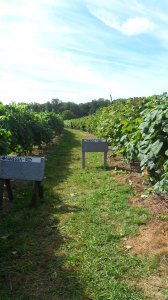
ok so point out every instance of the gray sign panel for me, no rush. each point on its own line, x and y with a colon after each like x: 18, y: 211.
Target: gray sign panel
x: 22, y: 168
x: 94, y: 145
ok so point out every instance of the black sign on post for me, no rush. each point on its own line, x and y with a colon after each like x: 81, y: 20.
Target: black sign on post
x: 94, y: 145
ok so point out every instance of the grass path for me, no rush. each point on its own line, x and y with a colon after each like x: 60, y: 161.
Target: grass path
x: 72, y: 246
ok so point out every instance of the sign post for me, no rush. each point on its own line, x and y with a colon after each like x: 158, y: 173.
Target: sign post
x: 21, y: 168
x: 94, y: 145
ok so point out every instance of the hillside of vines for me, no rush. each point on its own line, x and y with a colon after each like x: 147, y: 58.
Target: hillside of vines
x: 21, y: 128
x: 137, y: 128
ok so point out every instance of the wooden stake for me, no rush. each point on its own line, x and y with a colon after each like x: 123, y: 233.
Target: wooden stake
x: 37, y: 193
x: 1, y: 192
x: 9, y: 189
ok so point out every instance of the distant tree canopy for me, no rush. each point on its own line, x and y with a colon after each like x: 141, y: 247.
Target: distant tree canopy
x: 69, y: 110
x: 68, y: 115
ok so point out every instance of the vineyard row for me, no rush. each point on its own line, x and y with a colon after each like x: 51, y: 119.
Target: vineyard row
x: 21, y: 128
x: 137, y: 128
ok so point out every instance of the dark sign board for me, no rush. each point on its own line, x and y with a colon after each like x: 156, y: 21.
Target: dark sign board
x: 94, y: 145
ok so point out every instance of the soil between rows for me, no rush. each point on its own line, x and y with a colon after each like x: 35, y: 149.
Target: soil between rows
x: 152, y: 239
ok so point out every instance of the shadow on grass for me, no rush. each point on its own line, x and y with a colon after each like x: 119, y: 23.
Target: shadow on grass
x: 32, y: 263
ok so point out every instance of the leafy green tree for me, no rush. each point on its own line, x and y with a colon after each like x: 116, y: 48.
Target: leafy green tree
x: 68, y: 115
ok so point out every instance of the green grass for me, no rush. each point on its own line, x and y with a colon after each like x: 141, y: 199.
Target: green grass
x: 71, y: 246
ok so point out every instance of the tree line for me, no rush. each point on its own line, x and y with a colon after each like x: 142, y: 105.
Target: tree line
x: 69, y: 110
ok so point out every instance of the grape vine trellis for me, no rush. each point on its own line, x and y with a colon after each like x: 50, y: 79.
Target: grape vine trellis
x: 21, y: 129
x: 137, y: 128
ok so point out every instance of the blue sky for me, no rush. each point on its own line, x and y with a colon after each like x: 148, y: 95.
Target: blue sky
x: 80, y: 50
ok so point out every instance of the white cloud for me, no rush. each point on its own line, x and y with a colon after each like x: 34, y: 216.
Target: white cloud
x: 133, y: 17
x: 130, y: 26
x: 136, y: 25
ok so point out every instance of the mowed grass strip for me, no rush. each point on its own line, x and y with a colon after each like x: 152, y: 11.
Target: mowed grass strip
x: 72, y: 245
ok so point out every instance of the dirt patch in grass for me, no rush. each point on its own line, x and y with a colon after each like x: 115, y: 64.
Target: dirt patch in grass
x: 152, y: 238
x: 153, y: 203
x: 153, y: 286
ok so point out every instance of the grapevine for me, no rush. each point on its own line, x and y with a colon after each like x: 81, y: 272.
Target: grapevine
x: 137, y: 128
